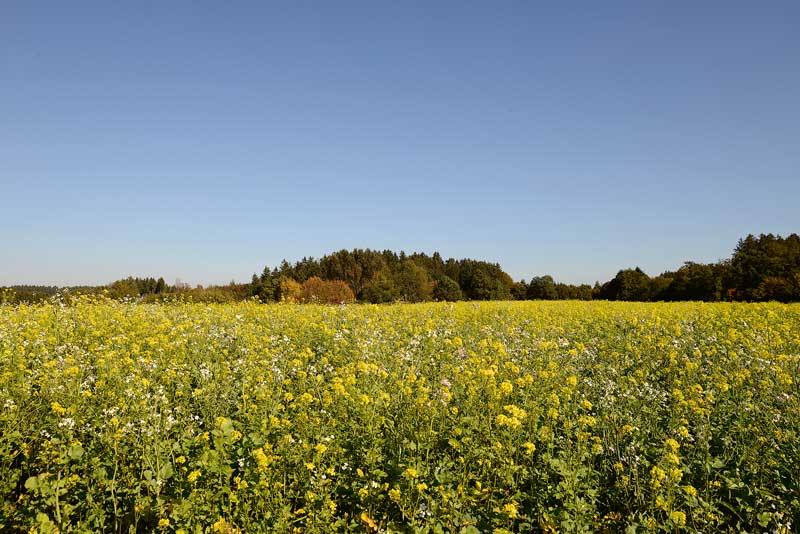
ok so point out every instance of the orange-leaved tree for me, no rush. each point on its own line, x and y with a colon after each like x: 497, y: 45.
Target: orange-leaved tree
x: 315, y: 289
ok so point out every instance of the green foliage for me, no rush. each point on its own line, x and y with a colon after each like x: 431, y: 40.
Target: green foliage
x: 446, y: 289
x: 542, y: 288
x: 573, y: 292
x: 413, y: 283
x: 693, y: 281
x: 628, y: 284
x: 480, y: 280
x: 519, y: 290
x: 136, y: 287
x: 265, y: 286
x: 380, y: 289
x: 766, y: 267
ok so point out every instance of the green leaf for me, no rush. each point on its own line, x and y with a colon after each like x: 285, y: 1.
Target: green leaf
x: 75, y: 452
x: 166, y: 471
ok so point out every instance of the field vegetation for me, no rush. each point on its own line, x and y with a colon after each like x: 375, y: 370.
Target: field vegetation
x: 491, y: 417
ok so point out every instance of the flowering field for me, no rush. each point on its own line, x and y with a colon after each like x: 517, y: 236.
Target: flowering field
x: 465, y: 418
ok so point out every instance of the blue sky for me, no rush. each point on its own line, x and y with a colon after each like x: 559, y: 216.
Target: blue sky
x: 204, y: 140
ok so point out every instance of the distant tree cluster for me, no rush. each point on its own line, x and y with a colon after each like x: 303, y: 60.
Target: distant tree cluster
x: 545, y: 288
x: 373, y: 276
x: 135, y: 287
x: 27, y: 293
x: 762, y: 268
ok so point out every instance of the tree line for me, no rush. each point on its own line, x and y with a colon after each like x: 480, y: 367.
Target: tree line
x: 761, y: 268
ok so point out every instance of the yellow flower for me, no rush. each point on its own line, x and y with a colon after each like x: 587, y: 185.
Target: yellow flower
x: 262, y: 459
x: 193, y: 476
x: 410, y: 473
x: 515, y: 412
x: 511, y: 510
x: 572, y: 381
x: 587, y: 420
x: 163, y: 522
x: 529, y: 447
x: 221, y: 421
x: 510, y: 422
x: 221, y: 526
x: 678, y: 517
x: 369, y: 521
x: 656, y: 476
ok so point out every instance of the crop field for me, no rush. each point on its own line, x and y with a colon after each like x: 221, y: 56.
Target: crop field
x: 464, y: 418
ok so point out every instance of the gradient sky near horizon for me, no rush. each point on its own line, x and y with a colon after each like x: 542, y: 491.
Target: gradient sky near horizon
x: 201, y: 140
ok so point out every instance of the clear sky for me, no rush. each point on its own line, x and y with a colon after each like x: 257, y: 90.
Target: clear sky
x: 204, y: 140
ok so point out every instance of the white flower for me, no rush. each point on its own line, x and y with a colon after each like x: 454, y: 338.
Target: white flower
x: 67, y: 422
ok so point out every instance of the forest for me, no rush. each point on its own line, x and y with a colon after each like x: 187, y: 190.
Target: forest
x: 761, y: 268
